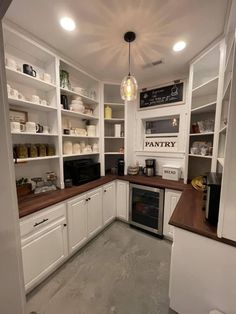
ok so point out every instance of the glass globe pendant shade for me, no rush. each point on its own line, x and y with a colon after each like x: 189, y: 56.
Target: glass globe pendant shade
x: 129, y: 88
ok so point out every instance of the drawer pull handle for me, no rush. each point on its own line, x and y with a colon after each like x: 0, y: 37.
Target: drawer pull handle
x: 41, y: 222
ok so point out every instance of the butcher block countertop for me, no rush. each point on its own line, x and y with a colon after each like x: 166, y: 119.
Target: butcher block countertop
x: 187, y: 215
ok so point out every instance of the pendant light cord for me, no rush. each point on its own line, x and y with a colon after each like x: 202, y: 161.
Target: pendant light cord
x: 129, y: 58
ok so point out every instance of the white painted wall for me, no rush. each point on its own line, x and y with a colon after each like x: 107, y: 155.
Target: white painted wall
x: 176, y: 159
x: 11, y: 273
x: 202, y: 275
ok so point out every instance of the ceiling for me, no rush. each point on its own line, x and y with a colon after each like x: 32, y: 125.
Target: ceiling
x: 97, y: 43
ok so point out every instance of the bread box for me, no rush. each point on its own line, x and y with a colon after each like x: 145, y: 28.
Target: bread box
x: 171, y: 172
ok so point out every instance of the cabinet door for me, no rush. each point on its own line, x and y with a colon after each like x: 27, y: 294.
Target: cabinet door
x: 122, y: 200
x: 77, y: 223
x: 171, y: 200
x: 108, y: 204
x: 94, y: 212
x: 43, y: 251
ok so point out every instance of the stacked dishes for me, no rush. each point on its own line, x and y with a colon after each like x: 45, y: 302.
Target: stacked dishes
x: 77, y: 105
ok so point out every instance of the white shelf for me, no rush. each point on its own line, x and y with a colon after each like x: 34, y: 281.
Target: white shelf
x: 30, y: 105
x: 201, y: 134
x: 208, y: 88
x: 161, y: 135
x: 114, y: 104
x: 25, y: 79
x: 226, y: 92
x: 113, y: 153
x: 34, y: 134
x: 78, y: 114
x: 205, y: 108
x: 81, y: 154
x: 85, y: 99
x: 200, y: 156
x: 223, y: 130
x: 24, y: 160
x: 80, y: 136
x: 221, y: 161
x: 112, y: 120
x: 114, y: 137
x: 230, y: 55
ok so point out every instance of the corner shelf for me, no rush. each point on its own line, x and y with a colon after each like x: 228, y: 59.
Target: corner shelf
x: 22, y: 78
x: 201, y: 134
x: 207, y: 88
x: 78, y: 114
x: 200, y: 156
x: 113, y: 153
x: 24, y: 160
x: 30, y: 105
x: 223, y: 130
x: 114, y: 120
x: 114, y: 104
x: 79, y: 136
x: 33, y: 134
x: 85, y: 99
x: 78, y: 155
x: 210, y: 107
x: 114, y: 137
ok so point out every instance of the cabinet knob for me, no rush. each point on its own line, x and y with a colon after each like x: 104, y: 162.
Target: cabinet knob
x: 105, y: 191
x: 65, y: 225
x: 89, y: 199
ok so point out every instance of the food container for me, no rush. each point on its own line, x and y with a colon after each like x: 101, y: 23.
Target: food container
x: 108, y: 112
x: 170, y: 172
x: 91, y: 130
x: 95, y: 148
x: 76, y: 148
x: 117, y: 130
x: 67, y: 148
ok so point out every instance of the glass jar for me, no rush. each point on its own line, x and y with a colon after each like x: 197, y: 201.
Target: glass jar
x: 64, y: 79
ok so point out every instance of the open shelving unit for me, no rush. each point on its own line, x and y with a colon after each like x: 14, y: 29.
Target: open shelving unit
x: 206, y: 88
x: 113, y: 144
x: 23, y: 50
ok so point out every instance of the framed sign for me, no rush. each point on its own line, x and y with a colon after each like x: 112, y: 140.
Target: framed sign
x: 18, y: 116
x: 161, y: 144
x: 162, y: 96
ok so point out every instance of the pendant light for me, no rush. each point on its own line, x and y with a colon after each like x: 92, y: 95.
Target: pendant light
x: 129, y: 86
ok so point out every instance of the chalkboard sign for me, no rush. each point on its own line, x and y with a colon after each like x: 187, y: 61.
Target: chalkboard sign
x: 162, y: 95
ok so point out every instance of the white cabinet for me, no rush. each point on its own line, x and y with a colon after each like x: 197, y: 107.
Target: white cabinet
x: 77, y: 222
x: 122, y: 200
x: 94, y: 199
x: 109, y: 203
x: 44, y: 243
x: 171, y: 200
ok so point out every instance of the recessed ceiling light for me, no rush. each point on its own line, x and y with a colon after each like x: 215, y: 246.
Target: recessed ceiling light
x: 180, y: 45
x: 67, y: 23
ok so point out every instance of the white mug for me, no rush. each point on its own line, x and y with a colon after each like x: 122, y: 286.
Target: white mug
x: 14, y: 93
x: 47, y: 77
x: 35, y: 99
x: 11, y: 63
x: 31, y: 127
x: 21, y: 96
x: 44, y: 102
x: 46, y: 129
x: 17, y: 127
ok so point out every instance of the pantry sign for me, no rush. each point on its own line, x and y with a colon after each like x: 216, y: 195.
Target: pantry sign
x: 161, y: 144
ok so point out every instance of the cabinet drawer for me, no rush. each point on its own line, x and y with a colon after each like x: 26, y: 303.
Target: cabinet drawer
x: 39, y: 220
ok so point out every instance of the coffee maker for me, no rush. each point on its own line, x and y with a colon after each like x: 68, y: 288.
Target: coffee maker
x: 150, y: 168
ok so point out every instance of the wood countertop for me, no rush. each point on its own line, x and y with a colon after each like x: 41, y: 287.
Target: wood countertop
x: 190, y: 216
x: 187, y: 215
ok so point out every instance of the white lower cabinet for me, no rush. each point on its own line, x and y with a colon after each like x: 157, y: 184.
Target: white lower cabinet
x: 171, y: 200
x: 122, y: 200
x: 77, y: 222
x: 44, y: 243
x: 109, y: 203
x: 94, y: 199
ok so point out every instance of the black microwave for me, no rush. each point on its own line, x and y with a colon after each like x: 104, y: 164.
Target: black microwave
x: 213, y: 189
x: 81, y: 171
